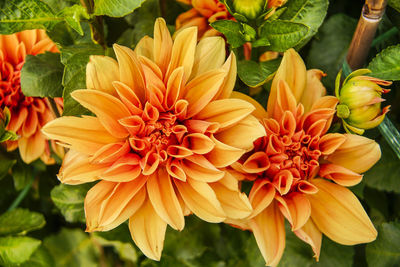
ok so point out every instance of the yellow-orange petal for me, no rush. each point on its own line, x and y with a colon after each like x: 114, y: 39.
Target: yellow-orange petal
x: 226, y: 112
x: 101, y: 71
x: 125, y: 169
x: 148, y: 231
x: 130, y: 70
x: 174, y: 88
x: 110, y: 152
x: 224, y: 155
x: 261, y: 195
x: 310, y: 234
x: 293, y: 71
x: 145, y: 47
x: 210, y: 55
x: 259, y: 112
x: 357, y: 153
x: 107, y: 108
x: 198, y: 143
x: 269, y: 230
x: 339, y: 215
x: 230, y: 66
x: 79, y: 132
x: 162, y: 44
x: 32, y: 147
x: 183, y: 51
x: 77, y: 169
x: 285, y: 101
x: 201, y: 200
x: 339, y: 174
x: 330, y: 142
x: 199, y: 168
x: 243, y: 134
x: 296, y: 208
x: 235, y: 204
x: 200, y: 90
x: 314, y: 89
x: 163, y: 198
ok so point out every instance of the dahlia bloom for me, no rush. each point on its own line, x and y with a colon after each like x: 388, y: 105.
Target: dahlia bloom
x: 300, y: 172
x: 163, y: 129
x: 28, y: 114
x: 201, y: 15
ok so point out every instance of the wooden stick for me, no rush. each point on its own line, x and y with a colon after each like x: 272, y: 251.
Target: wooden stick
x: 371, y: 15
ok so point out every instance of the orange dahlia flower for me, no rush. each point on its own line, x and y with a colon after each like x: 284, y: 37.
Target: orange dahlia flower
x: 28, y: 114
x: 163, y: 129
x: 201, y: 15
x: 300, y: 171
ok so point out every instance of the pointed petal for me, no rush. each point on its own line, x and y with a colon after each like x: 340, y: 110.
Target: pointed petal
x: 330, y: 142
x: 310, y: 234
x: 339, y: 174
x: 198, y: 143
x: 261, y: 195
x: 125, y: 169
x: 243, y: 134
x: 106, y: 107
x: 338, y: 214
x: 85, y: 134
x: 259, y: 112
x: 230, y: 66
x: 314, y: 89
x: 145, y: 47
x: 357, y: 153
x: 201, y: 200
x: 235, y: 204
x: 285, y: 101
x: 210, y: 55
x: 130, y: 70
x: 202, y: 89
x: 269, y: 230
x: 296, y: 208
x: 226, y: 112
x: 174, y: 88
x: 163, y: 198
x: 31, y: 148
x: 101, y: 71
x: 293, y: 71
x: 183, y: 51
x: 223, y: 155
x: 199, y: 168
x: 148, y: 231
x: 77, y: 169
x: 162, y: 44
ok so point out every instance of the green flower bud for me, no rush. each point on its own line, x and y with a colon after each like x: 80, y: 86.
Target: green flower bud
x: 251, y: 9
x: 4, y: 120
x: 360, y: 101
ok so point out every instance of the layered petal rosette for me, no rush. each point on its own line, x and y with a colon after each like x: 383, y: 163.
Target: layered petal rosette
x: 28, y: 114
x: 164, y: 129
x: 300, y: 171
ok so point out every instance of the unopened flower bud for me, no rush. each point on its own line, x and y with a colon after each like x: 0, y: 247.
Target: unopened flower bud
x: 4, y: 120
x: 360, y: 101
x: 251, y: 9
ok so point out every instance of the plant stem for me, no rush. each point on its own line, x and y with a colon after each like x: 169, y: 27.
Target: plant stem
x: 371, y: 15
x: 96, y: 24
x: 22, y: 194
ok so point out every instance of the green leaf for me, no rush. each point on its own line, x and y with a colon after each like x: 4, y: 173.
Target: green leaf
x: 75, y: 58
x: 18, y: 15
x: 116, y: 8
x: 231, y: 30
x: 40, y: 258
x: 385, y: 251
x: 395, y: 4
x: 8, y: 135
x: 329, y: 48
x: 256, y: 74
x: 385, y: 174
x: 386, y: 65
x: 41, y: 75
x: 69, y: 199
x: 22, y: 174
x: 20, y: 221
x: 307, y: 12
x: 283, y: 34
x: 5, y: 164
x: 72, y: 247
x: 16, y: 250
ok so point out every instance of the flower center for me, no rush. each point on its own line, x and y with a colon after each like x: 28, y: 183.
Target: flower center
x: 11, y: 95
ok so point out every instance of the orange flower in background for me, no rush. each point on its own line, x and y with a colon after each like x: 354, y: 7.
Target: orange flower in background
x: 300, y: 172
x: 201, y: 15
x: 163, y: 129
x: 28, y: 114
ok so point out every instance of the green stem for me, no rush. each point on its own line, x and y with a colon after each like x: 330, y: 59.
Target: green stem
x: 384, y: 36
x: 22, y: 194
x: 391, y: 134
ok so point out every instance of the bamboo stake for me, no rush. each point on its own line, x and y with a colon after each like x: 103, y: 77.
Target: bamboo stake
x: 371, y: 15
